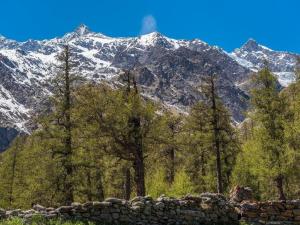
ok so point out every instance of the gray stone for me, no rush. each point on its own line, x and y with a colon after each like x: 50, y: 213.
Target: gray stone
x: 296, y: 212
x: 76, y: 204
x: 39, y: 208
x: 114, y: 200
x: 115, y: 215
x: 139, y: 203
x: 137, y: 198
x: 64, y: 209
x: 106, y: 217
x: 88, y: 205
x: 101, y: 205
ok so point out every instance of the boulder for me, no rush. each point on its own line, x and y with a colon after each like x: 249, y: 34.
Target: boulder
x: 239, y: 194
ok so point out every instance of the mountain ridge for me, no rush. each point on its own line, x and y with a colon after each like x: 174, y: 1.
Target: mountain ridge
x: 168, y: 69
x: 87, y: 30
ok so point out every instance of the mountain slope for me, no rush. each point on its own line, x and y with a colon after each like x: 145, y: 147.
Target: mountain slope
x: 168, y: 70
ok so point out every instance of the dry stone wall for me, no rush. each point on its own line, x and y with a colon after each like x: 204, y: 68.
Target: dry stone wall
x: 205, y: 209
x: 268, y: 212
x: 271, y: 212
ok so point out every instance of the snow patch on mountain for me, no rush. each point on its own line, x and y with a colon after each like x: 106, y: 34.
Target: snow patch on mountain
x: 14, y: 111
x: 285, y: 78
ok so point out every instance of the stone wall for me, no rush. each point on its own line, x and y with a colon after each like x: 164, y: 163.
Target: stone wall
x: 205, y: 209
x: 270, y: 212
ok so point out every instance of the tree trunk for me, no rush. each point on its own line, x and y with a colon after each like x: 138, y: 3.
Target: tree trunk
x: 99, y: 186
x: 139, y: 166
x: 69, y: 188
x: 203, y: 169
x: 11, y: 186
x: 127, y: 184
x: 139, y: 175
x: 89, y: 193
x: 216, y: 131
x: 219, y: 172
x: 171, y: 167
x: 136, y: 145
x: 279, y: 185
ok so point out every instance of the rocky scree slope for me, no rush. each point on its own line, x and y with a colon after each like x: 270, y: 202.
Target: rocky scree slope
x: 168, y: 70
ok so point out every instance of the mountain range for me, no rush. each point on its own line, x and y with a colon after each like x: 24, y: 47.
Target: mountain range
x: 168, y: 70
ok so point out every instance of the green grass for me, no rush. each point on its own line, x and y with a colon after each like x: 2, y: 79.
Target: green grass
x: 40, y: 221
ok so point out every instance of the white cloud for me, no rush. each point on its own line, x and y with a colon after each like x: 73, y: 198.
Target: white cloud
x: 148, y: 24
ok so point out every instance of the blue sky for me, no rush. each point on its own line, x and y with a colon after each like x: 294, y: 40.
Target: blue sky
x: 226, y: 23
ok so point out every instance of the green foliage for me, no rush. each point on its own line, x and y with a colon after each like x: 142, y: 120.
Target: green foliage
x: 102, y: 151
x: 156, y: 184
x: 243, y: 222
x: 270, y: 153
x: 182, y: 185
x: 200, y: 151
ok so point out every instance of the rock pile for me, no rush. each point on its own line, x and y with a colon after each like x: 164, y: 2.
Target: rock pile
x: 204, y: 209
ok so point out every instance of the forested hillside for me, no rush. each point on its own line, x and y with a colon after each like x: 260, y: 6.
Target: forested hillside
x: 97, y: 140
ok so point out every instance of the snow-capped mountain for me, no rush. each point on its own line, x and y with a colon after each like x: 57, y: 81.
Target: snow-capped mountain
x: 168, y: 70
x: 255, y: 56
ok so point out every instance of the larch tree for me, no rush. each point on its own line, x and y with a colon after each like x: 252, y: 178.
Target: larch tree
x: 58, y: 125
x: 172, y: 132
x: 210, y: 121
x: 216, y: 113
x: 124, y: 122
x: 269, y: 110
x: 12, y: 169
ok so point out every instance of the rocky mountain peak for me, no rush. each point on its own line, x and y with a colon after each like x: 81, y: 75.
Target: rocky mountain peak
x: 251, y: 45
x: 157, y: 39
x: 152, y: 37
x: 154, y: 34
x: 82, y: 30
x: 254, y: 56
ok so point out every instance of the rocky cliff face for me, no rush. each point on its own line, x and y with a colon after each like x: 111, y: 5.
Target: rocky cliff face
x: 6, y: 136
x: 168, y: 70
